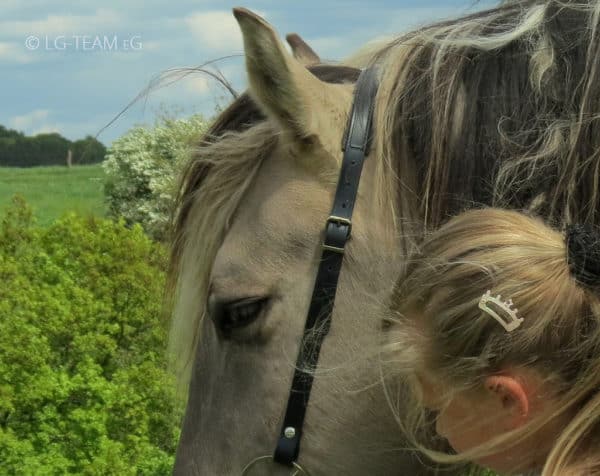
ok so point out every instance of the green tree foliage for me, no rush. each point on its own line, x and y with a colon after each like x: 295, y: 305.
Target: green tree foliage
x: 88, y: 151
x: 83, y: 382
x: 142, y: 168
x: 19, y: 150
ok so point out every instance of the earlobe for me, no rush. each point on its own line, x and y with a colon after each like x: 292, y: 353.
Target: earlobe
x: 511, y: 397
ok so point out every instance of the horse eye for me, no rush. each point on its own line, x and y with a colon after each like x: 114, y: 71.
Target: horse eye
x: 233, y: 315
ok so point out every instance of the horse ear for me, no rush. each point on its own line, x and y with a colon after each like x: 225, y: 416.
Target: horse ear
x: 301, y: 51
x: 310, y: 109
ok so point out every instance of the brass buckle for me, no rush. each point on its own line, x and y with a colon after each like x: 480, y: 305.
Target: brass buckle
x: 335, y: 249
x: 338, y: 221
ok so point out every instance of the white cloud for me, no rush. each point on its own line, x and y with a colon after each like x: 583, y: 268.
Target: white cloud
x: 12, y: 52
x: 57, y: 25
x: 216, y: 30
x: 150, y: 45
x: 203, y: 84
x: 31, y: 120
x: 34, y: 122
x: 396, y: 21
x: 46, y: 129
x: 328, y: 47
x: 198, y: 85
x: 41, y: 121
x: 186, y: 32
x: 405, y: 19
x: 10, y: 5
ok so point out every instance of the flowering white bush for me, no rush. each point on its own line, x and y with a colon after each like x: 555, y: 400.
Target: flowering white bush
x: 142, y: 168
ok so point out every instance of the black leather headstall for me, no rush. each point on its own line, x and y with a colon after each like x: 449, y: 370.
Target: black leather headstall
x: 357, y: 141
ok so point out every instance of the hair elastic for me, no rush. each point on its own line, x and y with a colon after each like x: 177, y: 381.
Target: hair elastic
x: 583, y: 254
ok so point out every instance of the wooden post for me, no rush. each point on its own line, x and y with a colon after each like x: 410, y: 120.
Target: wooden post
x: 70, y: 158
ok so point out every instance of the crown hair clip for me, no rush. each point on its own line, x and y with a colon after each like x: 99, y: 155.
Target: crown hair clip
x: 492, y: 304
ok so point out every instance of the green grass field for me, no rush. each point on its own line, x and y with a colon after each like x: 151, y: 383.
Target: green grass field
x: 53, y: 191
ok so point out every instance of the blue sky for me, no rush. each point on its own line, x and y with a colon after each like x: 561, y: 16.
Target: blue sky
x: 71, y: 66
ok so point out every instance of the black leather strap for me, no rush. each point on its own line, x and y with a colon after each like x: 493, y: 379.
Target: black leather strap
x: 338, y: 228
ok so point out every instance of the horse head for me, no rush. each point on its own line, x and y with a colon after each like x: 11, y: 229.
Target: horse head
x: 247, y: 248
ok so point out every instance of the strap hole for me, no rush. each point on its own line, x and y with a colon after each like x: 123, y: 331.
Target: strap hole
x: 344, y: 205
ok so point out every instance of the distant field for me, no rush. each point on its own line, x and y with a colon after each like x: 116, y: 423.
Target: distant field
x: 52, y: 191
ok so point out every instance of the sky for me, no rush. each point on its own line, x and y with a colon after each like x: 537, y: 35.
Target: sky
x: 72, y: 66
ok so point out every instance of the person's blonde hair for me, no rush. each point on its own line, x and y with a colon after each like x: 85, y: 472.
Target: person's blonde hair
x: 444, y: 331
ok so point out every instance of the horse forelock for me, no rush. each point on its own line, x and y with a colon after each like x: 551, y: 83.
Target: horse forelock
x: 222, y: 168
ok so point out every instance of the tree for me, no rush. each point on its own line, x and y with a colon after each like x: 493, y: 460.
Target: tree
x: 142, y: 168
x: 19, y: 150
x: 88, y: 151
x: 44, y: 149
x: 83, y: 382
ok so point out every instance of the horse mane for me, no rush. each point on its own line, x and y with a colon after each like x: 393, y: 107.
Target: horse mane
x: 220, y: 171
x: 496, y: 108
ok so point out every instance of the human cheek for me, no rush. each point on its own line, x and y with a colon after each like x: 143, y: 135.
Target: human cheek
x: 456, y: 427
x: 430, y: 395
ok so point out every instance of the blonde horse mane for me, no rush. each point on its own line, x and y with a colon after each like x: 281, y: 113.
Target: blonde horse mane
x: 499, y: 107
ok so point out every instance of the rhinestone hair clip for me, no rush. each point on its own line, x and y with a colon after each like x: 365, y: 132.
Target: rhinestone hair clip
x: 493, y: 304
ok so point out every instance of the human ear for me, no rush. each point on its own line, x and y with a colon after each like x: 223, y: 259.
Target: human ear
x: 509, y: 397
